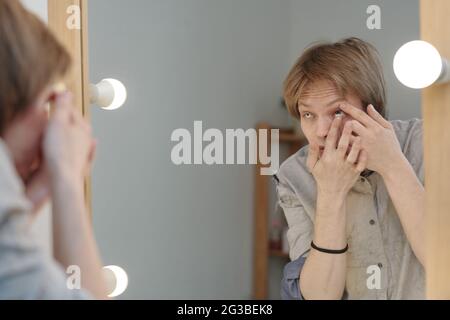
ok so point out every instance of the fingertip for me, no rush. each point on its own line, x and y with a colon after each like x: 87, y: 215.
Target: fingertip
x: 63, y: 96
x: 349, y: 124
x: 336, y: 122
x: 63, y: 100
x: 68, y: 94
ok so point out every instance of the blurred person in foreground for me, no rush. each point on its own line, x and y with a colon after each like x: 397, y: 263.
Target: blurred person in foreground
x: 42, y: 158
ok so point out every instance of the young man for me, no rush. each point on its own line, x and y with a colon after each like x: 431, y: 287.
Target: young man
x: 354, y: 198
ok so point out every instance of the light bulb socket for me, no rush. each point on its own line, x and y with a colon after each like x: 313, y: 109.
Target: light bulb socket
x: 102, y: 94
x: 108, y: 94
x: 444, y: 77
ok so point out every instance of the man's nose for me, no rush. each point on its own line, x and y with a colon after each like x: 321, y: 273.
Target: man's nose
x: 323, y: 126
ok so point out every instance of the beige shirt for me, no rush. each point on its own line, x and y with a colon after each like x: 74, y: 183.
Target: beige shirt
x: 374, y: 232
x: 26, y: 272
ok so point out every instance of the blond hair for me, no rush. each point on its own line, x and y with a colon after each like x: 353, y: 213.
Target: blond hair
x: 30, y: 58
x: 351, y: 65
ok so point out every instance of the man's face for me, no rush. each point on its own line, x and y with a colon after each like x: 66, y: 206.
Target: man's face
x: 24, y: 135
x: 318, y: 107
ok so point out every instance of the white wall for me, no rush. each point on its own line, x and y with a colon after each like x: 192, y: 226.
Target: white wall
x: 39, y: 7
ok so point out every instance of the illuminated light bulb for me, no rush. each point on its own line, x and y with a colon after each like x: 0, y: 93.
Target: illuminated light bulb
x: 108, y: 94
x: 418, y: 64
x: 117, y: 280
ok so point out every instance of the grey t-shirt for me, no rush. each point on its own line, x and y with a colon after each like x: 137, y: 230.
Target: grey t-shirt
x: 26, y: 272
x: 374, y: 232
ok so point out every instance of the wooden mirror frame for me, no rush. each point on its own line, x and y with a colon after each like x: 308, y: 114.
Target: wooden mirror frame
x: 76, y: 42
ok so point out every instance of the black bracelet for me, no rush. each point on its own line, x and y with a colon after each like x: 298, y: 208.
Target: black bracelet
x: 329, y: 250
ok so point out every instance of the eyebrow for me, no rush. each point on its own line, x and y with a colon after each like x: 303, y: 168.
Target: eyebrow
x: 327, y: 105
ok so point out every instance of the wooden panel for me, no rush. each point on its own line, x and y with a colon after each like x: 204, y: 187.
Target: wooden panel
x: 261, y: 227
x: 435, y: 28
x: 262, y: 213
x: 76, y: 42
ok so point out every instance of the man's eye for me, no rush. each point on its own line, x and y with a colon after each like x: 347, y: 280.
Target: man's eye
x: 307, y: 115
x: 339, y: 113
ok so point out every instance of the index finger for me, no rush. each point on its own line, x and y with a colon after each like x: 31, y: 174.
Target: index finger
x: 331, y: 141
x: 313, y: 157
x: 63, y: 110
x: 358, y: 114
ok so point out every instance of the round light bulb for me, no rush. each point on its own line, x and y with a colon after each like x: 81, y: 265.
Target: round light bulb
x: 109, y: 94
x: 417, y: 64
x: 116, y: 279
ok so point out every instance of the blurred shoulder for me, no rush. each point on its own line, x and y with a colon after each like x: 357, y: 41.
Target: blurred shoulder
x: 409, y: 133
x: 293, y: 171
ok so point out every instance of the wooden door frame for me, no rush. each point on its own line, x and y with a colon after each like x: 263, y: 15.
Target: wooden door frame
x: 435, y: 28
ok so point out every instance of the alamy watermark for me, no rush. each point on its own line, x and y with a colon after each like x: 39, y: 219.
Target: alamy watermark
x: 118, y: 283
x: 73, y: 281
x: 234, y: 146
x: 73, y: 21
x: 373, y: 22
x: 373, y: 282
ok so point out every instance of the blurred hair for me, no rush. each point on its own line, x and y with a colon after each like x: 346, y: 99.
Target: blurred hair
x: 30, y: 59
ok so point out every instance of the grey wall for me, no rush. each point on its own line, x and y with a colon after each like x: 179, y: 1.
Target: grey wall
x: 181, y: 232
x: 332, y: 20
x: 186, y: 232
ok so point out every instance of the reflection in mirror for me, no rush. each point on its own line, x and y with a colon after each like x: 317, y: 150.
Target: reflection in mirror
x: 187, y: 231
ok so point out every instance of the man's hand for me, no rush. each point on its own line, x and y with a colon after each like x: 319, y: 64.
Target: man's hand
x: 378, y: 138
x: 68, y: 145
x: 37, y: 188
x: 337, y: 170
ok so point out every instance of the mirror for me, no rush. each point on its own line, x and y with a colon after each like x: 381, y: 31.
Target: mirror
x: 187, y: 231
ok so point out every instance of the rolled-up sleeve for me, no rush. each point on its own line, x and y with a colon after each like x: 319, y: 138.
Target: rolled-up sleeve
x: 26, y: 272
x: 299, y: 235
x: 300, y: 226
x: 414, y: 148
